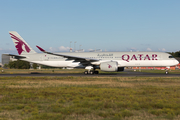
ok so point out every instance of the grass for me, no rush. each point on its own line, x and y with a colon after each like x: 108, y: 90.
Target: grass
x: 99, y: 98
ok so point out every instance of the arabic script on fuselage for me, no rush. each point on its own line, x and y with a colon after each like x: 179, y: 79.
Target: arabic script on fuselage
x: 102, y: 55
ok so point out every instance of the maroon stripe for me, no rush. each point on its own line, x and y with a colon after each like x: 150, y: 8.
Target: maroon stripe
x: 14, y: 37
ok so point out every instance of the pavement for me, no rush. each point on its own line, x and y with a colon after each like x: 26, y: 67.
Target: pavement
x: 121, y: 74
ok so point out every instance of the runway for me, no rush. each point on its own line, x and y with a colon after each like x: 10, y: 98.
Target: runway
x: 122, y: 74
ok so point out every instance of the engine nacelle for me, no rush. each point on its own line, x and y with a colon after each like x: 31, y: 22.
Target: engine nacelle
x: 110, y: 67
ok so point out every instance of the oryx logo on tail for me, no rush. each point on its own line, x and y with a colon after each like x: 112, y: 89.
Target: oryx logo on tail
x: 19, y: 44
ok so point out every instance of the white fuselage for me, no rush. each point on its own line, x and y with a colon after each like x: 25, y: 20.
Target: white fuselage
x: 124, y: 59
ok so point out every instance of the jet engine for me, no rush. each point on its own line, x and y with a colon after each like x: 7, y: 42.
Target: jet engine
x: 110, y: 67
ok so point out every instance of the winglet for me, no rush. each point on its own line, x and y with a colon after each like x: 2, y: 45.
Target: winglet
x: 40, y: 49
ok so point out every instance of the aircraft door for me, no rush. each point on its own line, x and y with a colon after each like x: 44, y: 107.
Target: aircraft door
x: 45, y: 58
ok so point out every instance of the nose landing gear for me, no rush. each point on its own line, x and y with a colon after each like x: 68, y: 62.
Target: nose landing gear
x: 167, y: 70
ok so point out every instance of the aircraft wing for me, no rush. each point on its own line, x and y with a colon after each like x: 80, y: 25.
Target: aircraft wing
x: 84, y: 61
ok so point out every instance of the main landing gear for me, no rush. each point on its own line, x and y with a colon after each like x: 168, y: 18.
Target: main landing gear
x: 91, y: 72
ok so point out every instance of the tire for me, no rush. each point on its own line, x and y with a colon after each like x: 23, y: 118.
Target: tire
x: 91, y: 72
x: 85, y: 72
x: 96, y: 72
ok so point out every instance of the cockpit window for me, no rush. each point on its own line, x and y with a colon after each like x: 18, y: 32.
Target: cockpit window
x: 171, y: 57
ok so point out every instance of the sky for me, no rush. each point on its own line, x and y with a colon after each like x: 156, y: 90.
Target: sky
x: 111, y: 25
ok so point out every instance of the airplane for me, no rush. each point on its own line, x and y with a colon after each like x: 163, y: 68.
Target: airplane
x: 105, y: 61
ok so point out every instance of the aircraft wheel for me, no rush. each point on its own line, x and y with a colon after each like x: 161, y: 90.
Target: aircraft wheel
x: 96, y: 72
x: 91, y: 72
x: 166, y: 72
x: 85, y: 72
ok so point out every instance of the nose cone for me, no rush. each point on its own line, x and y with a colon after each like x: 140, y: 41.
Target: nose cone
x: 176, y: 62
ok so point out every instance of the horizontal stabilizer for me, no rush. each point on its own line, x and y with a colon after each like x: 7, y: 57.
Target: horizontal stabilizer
x: 15, y: 56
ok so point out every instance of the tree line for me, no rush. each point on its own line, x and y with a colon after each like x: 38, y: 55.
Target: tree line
x: 19, y: 64
x: 175, y: 54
